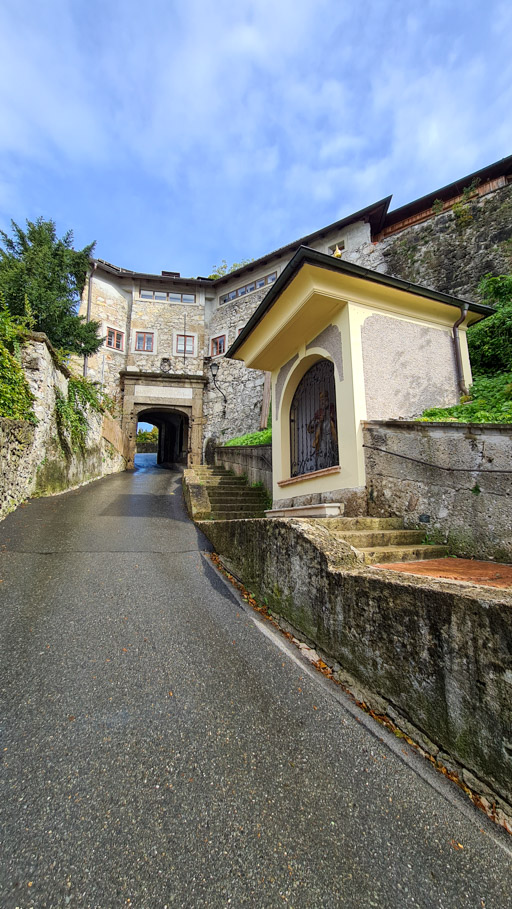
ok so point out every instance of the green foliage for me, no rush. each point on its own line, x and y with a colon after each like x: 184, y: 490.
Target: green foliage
x: 264, y: 437
x: 37, y: 267
x: 490, y: 401
x: 219, y: 271
x: 16, y: 399
x: 490, y: 341
x: 148, y: 435
x: 437, y: 206
x: 71, y: 412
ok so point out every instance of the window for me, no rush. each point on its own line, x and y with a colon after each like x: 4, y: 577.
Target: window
x: 185, y: 344
x: 144, y: 341
x: 248, y: 288
x: 162, y: 296
x: 115, y: 339
x: 313, y: 423
x: 218, y: 345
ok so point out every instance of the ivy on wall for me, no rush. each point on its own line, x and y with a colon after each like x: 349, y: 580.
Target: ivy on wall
x: 16, y: 399
x: 71, y: 412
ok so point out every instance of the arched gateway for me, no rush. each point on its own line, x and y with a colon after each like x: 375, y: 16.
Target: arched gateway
x: 172, y: 403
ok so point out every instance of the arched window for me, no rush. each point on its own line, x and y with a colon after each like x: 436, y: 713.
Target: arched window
x: 313, y: 426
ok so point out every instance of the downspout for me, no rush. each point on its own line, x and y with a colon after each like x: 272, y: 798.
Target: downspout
x: 456, y: 347
x: 89, y: 307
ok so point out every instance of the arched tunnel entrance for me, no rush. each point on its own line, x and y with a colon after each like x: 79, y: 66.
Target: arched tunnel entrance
x: 173, y: 433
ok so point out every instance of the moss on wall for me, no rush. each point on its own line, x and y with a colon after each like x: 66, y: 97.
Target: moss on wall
x: 453, y: 250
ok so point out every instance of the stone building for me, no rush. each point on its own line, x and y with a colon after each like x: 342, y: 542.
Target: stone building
x: 163, y: 332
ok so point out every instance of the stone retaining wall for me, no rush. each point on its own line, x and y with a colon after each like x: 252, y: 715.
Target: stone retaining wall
x: 251, y: 461
x: 436, y: 656
x: 33, y: 460
x: 466, y: 498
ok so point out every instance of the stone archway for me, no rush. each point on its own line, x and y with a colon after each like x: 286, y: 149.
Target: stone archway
x: 176, y: 405
x: 173, y: 433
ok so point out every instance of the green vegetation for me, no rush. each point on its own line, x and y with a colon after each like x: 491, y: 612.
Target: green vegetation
x: 37, y: 267
x: 219, y: 271
x: 16, y: 399
x: 490, y: 401
x: 264, y: 437
x: 148, y: 435
x: 490, y: 348
x: 490, y: 341
x: 71, y: 412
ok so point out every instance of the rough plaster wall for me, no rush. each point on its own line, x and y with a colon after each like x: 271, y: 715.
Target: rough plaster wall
x: 468, y: 505
x: 243, y: 387
x: 437, y: 654
x: 164, y: 320
x: 407, y: 368
x: 109, y: 305
x: 32, y: 459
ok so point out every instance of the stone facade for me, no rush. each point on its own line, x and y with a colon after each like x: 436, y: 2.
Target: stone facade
x: 32, y: 458
x: 448, y: 251
x: 453, y: 479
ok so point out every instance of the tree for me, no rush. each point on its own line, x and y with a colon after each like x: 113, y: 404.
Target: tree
x: 219, y: 271
x: 490, y: 341
x: 38, y: 269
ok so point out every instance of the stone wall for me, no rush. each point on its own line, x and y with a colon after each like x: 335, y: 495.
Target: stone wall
x: 33, y: 460
x: 251, y: 461
x: 466, y: 498
x: 452, y: 251
x: 242, y: 387
x: 436, y: 658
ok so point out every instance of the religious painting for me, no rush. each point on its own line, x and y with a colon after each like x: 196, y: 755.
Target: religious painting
x: 313, y: 424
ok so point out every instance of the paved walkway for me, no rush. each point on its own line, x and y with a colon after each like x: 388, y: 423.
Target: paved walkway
x: 160, y: 750
x: 470, y: 571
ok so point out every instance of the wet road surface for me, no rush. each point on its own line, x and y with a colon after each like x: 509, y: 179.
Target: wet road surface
x: 159, y: 750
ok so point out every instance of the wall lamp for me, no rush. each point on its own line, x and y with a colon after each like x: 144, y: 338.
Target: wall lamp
x: 214, y: 368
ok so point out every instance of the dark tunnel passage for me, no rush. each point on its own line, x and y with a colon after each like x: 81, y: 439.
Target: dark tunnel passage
x: 173, y: 434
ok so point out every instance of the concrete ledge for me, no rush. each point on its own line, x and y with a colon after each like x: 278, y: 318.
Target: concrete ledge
x: 327, y: 510
x: 439, y: 654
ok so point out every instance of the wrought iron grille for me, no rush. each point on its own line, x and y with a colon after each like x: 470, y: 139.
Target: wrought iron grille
x: 313, y: 424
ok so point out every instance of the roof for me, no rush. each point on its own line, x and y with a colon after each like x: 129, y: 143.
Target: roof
x: 307, y: 256
x: 374, y: 214
x: 501, y: 168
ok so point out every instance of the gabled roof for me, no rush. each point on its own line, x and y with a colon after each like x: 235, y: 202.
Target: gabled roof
x: 307, y: 256
x: 374, y: 214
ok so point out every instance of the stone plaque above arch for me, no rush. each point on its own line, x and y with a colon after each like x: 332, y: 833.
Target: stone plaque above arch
x: 330, y: 340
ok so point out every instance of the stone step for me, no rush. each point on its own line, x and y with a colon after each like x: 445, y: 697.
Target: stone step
x: 368, y: 539
x: 378, y: 554
x: 238, y: 506
x: 236, y: 515
x: 223, y: 481
x: 221, y: 495
x: 361, y: 523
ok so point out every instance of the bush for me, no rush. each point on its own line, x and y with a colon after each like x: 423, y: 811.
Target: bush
x: 264, y: 437
x: 490, y: 401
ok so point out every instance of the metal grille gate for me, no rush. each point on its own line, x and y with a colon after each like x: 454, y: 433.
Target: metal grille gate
x: 313, y: 425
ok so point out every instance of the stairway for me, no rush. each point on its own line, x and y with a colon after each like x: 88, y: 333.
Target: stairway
x: 231, y: 497
x: 383, y: 539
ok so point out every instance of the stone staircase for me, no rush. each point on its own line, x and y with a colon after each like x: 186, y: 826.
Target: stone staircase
x: 383, y: 539
x: 230, y: 496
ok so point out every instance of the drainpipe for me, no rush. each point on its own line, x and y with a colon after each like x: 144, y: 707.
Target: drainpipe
x: 456, y: 347
x: 89, y: 307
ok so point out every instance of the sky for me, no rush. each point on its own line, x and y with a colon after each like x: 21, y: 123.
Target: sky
x: 177, y: 133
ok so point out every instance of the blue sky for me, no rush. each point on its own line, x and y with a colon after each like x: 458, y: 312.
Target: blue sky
x: 176, y: 134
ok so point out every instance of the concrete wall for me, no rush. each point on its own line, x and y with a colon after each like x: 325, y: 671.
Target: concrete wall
x: 251, y: 461
x: 437, y: 656
x: 461, y: 499
x: 33, y: 460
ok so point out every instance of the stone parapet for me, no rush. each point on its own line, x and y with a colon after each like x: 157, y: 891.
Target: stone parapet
x: 453, y: 479
x: 251, y: 461
x: 433, y: 656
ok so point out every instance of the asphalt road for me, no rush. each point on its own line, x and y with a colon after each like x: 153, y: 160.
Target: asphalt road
x: 163, y: 749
